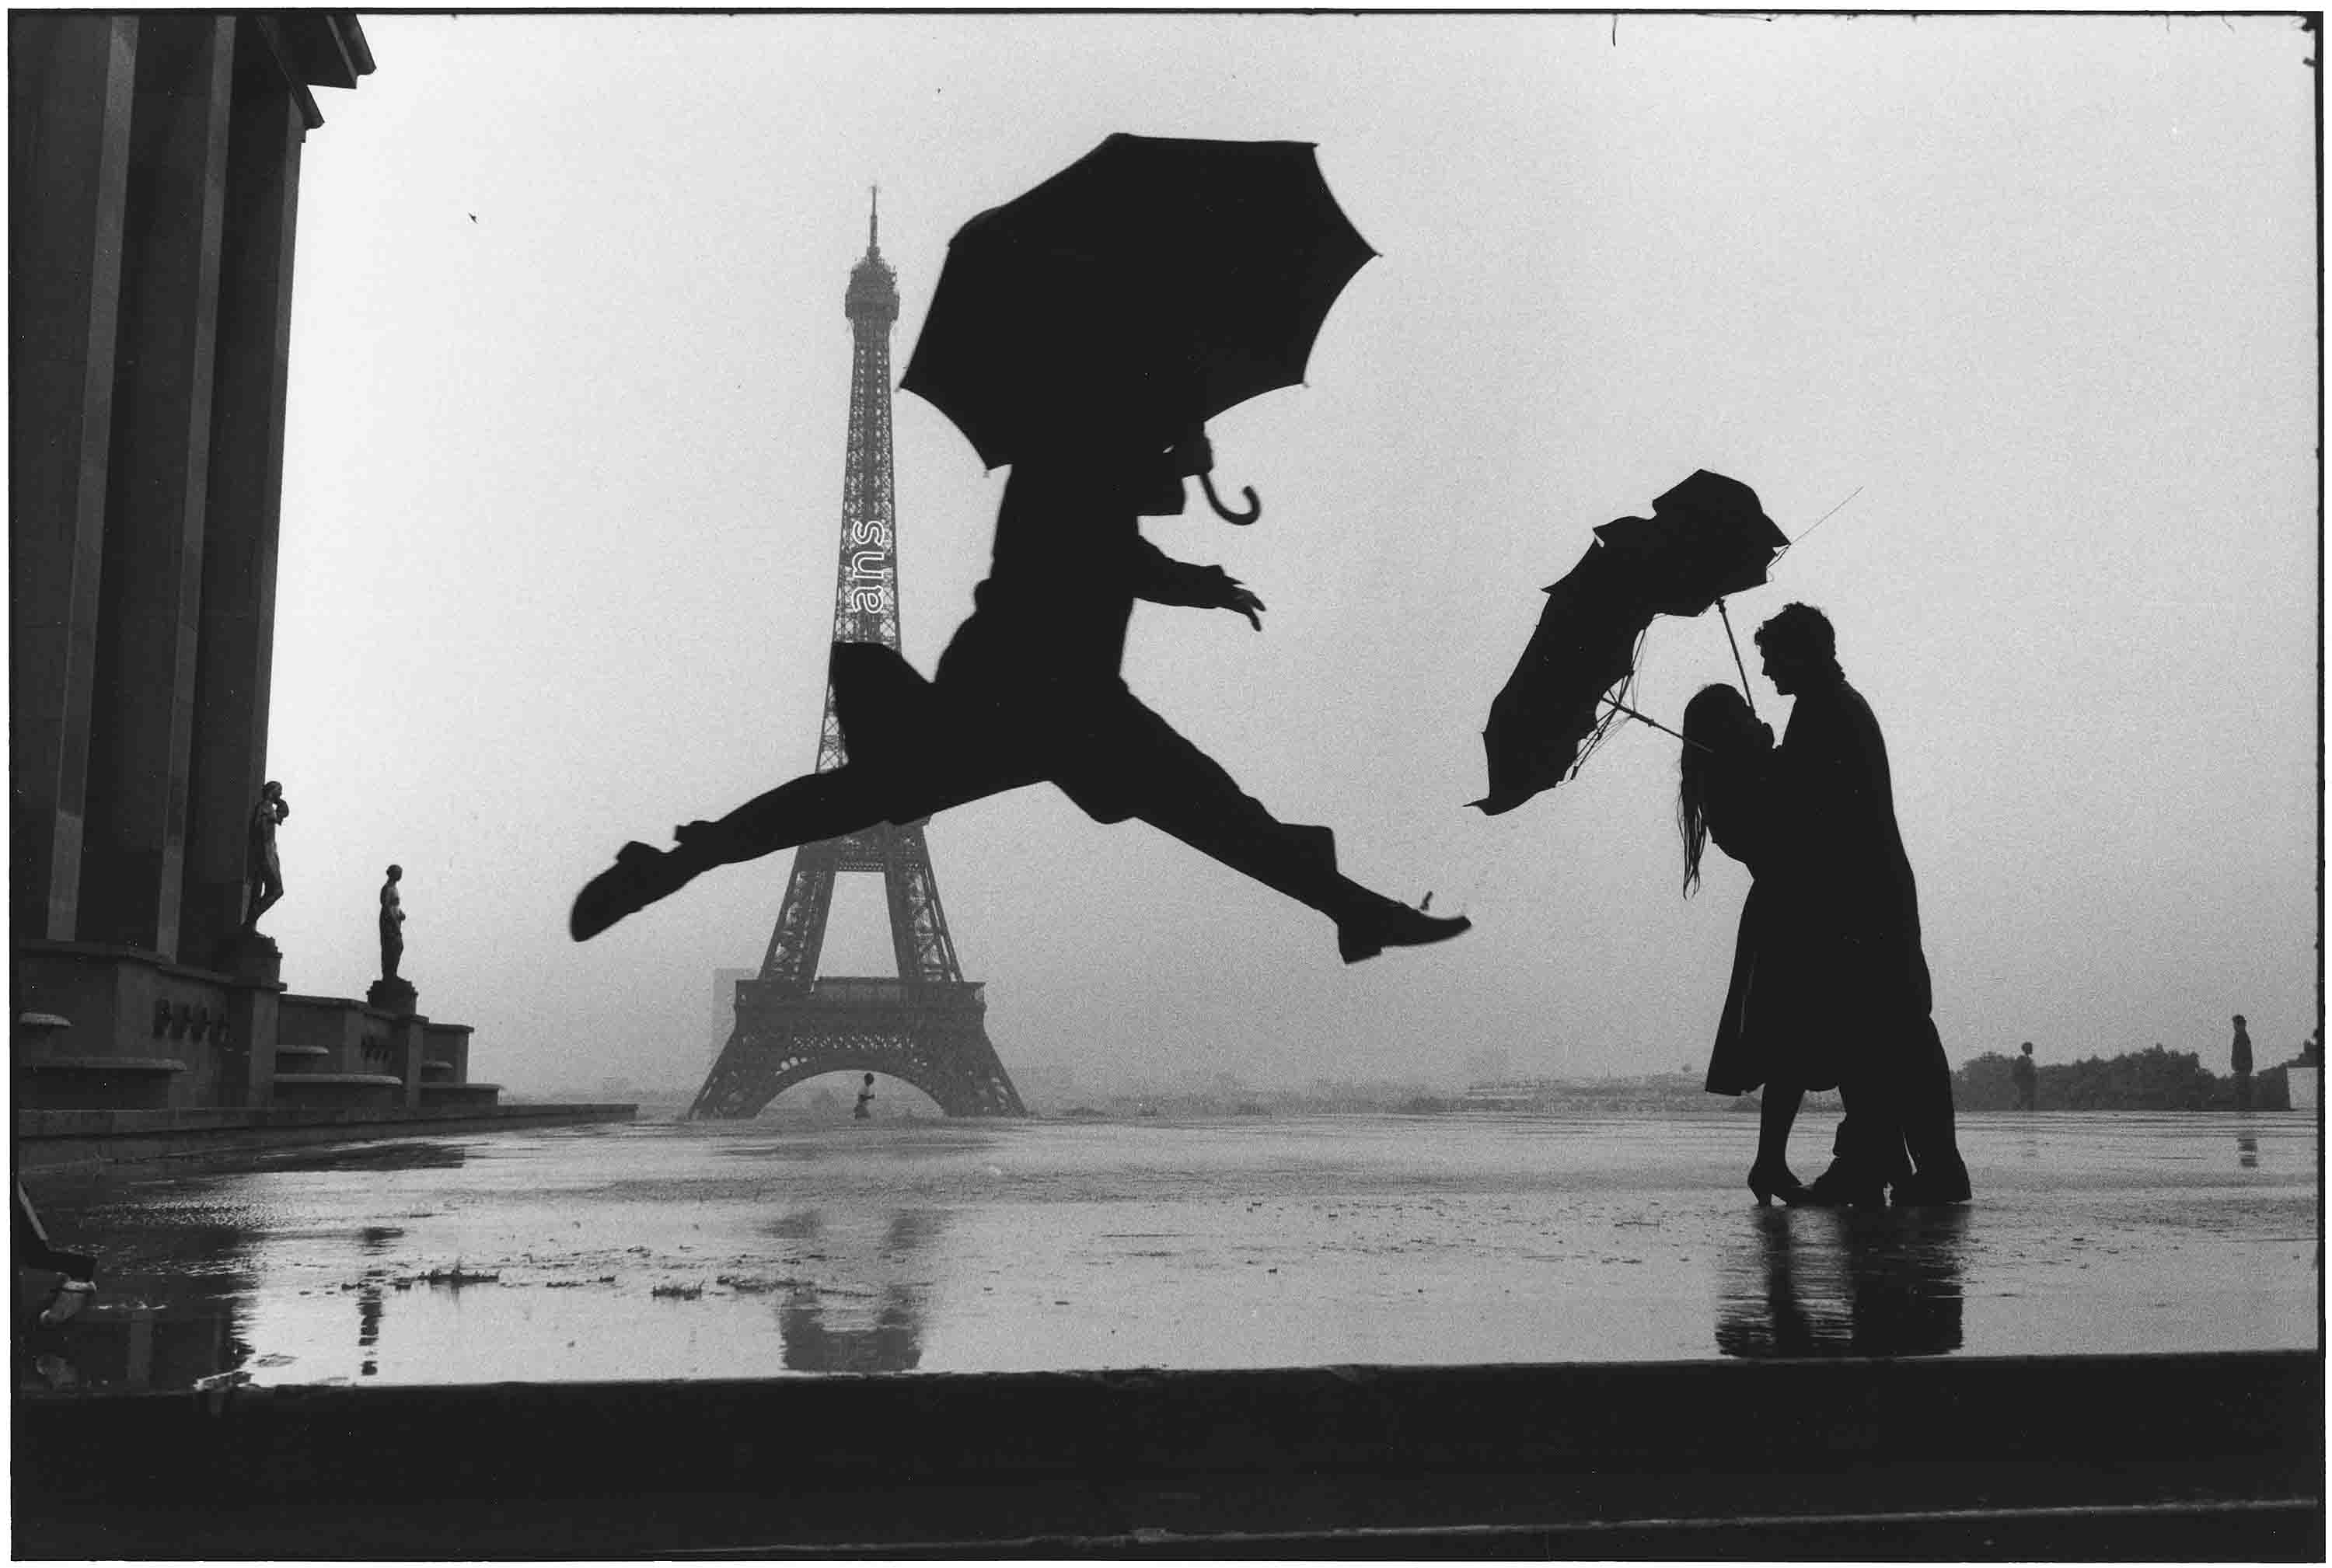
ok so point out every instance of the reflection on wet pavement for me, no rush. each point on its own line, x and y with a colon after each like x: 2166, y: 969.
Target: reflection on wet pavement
x: 831, y: 1329
x: 405, y: 1154
x: 169, y: 1311
x: 1844, y: 1282
x: 686, y: 1251
x: 889, y: 1344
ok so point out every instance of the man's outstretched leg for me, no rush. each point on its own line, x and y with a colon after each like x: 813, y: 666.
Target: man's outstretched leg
x: 801, y: 811
x: 1141, y: 767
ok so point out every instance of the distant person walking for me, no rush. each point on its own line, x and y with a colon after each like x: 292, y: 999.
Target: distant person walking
x: 2027, y: 1076
x: 1865, y: 999
x: 1028, y: 691
x: 2239, y: 1057
x: 861, y: 1111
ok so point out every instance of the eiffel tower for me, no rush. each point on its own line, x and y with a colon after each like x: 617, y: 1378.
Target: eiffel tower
x: 928, y: 1026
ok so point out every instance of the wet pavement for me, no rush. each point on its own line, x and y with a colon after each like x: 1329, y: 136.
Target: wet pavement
x: 666, y: 1250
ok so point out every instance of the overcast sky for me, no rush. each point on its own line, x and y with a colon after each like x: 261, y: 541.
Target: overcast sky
x: 565, y: 459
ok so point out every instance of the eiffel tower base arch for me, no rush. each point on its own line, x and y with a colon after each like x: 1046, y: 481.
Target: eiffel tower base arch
x: 932, y: 1035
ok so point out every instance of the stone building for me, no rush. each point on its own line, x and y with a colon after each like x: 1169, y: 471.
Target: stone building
x: 154, y: 175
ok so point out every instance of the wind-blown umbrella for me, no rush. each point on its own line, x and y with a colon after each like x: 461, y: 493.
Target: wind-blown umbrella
x: 1706, y: 537
x: 1142, y: 290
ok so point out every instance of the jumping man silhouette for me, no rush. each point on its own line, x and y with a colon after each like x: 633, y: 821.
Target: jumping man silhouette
x: 1028, y: 691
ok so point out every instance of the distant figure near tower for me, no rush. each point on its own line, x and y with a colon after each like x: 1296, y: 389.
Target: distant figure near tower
x: 2027, y: 1077
x: 859, y: 1111
x: 2239, y: 1054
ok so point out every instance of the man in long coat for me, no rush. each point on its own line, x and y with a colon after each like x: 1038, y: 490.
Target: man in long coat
x: 1856, y: 978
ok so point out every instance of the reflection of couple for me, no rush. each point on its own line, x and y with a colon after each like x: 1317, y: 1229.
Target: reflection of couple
x: 1875, y: 1287
x: 1829, y: 985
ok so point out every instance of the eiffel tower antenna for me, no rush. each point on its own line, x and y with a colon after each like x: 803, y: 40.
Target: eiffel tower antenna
x: 926, y: 1026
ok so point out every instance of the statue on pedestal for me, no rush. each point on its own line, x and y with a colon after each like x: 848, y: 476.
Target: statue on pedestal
x: 392, y: 924
x: 264, y: 871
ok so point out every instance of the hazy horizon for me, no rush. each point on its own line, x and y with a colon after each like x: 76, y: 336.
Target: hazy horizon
x: 564, y: 463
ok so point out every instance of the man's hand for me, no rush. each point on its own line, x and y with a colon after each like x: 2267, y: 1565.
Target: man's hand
x: 1205, y: 587
x: 1237, y: 596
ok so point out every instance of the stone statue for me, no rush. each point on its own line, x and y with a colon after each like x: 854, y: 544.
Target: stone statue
x: 392, y: 924
x: 262, y: 870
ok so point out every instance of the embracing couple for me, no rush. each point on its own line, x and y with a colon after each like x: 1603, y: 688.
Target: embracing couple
x: 1829, y: 984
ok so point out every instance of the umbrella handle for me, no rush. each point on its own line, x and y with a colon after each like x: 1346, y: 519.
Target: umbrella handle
x: 1253, y: 507
x: 1746, y: 694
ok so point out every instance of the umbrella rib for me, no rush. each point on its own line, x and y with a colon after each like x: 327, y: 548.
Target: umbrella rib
x: 1816, y: 523
x: 1655, y: 723
x: 1748, y: 696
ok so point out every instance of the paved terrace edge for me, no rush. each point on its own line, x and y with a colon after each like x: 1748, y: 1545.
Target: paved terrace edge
x: 2217, y: 1455
x: 60, y: 1140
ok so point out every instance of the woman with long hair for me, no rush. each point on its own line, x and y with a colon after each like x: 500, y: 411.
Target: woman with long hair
x: 1725, y: 792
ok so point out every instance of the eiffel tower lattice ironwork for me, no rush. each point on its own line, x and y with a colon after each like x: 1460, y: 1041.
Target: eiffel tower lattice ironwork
x: 927, y: 1027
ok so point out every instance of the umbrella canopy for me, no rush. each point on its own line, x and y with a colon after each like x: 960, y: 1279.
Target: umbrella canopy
x: 1706, y: 537
x: 1144, y: 288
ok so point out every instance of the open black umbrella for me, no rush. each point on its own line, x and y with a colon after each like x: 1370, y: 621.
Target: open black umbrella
x: 1144, y: 288
x: 1706, y: 537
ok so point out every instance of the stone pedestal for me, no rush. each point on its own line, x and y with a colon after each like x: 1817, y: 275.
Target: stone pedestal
x: 246, y: 1076
x: 249, y: 955
x: 392, y: 996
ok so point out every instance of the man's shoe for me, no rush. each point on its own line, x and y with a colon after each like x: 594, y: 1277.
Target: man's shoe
x: 1842, y: 1188
x: 66, y: 1300
x: 641, y: 875
x: 1924, y: 1190
x: 1390, y: 925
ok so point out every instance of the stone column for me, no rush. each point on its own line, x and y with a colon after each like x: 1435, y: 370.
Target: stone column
x: 247, y: 1059
x: 412, y: 1035
x: 133, y: 854
x: 235, y: 651
x: 70, y: 85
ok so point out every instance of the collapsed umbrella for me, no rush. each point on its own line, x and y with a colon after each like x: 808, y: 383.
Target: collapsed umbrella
x: 1142, y: 290
x: 1706, y: 537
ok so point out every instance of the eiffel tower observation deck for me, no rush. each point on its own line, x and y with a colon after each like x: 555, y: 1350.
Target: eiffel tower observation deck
x: 926, y: 1024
